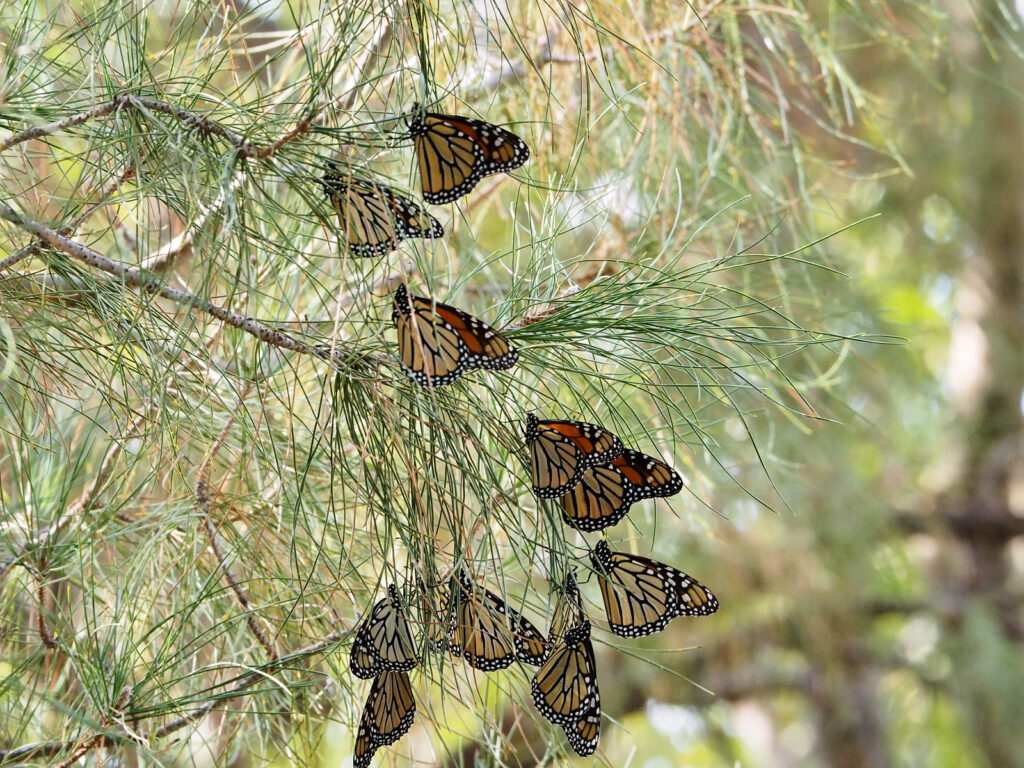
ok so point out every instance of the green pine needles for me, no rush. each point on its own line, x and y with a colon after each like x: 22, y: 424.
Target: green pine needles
x: 211, y: 462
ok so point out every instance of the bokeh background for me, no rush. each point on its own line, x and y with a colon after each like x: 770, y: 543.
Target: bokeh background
x: 855, y: 499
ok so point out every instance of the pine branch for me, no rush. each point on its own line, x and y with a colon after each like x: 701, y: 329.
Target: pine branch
x: 340, y: 357
x: 51, y: 748
x: 87, y: 498
x: 36, y: 247
x: 161, y: 257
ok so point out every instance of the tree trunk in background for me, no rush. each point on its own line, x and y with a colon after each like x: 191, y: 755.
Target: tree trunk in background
x: 982, y: 509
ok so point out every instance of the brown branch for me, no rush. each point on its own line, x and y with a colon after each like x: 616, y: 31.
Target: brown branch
x: 51, y: 748
x: 80, y: 751
x: 160, y: 258
x: 142, y: 104
x: 203, y: 503
x: 969, y: 520
x: 46, y: 636
x: 152, y: 284
x: 100, y: 110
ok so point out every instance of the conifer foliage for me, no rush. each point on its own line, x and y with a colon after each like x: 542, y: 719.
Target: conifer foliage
x: 321, y: 360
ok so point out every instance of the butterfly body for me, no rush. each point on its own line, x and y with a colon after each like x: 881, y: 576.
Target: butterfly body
x: 437, y: 342
x: 562, y: 451
x: 454, y: 153
x: 375, y: 218
x: 607, y: 491
x: 641, y: 596
x: 387, y: 716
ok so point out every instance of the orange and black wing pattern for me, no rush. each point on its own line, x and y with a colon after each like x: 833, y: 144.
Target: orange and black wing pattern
x: 487, y: 633
x: 606, y: 492
x: 641, y: 596
x: 565, y: 688
x: 437, y: 343
x: 562, y: 451
x: 388, y: 715
x: 454, y: 153
x: 375, y: 218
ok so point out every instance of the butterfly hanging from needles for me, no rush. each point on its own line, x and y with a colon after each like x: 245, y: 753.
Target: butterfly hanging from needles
x: 373, y: 217
x: 387, y: 716
x: 641, y: 596
x: 437, y: 342
x: 383, y: 641
x: 565, y: 688
x: 607, y: 491
x: 562, y: 451
x: 486, y: 632
x: 454, y: 153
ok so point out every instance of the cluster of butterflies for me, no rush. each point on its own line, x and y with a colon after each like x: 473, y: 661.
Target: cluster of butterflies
x: 453, y: 154
x: 640, y: 597
x: 437, y: 342
x: 597, y: 479
x: 587, y: 468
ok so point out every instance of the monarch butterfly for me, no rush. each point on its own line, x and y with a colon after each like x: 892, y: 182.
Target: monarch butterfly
x: 641, y: 596
x: 389, y: 712
x: 565, y: 687
x: 487, y: 633
x: 437, y: 343
x: 454, y: 153
x: 607, y: 491
x: 374, y: 217
x: 384, y: 640
x: 562, y: 451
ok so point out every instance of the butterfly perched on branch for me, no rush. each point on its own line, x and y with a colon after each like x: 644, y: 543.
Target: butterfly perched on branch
x: 437, y: 343
x: 453, y: 153
x: 373, y: 217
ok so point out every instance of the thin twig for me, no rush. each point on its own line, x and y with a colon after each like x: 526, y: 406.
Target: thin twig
x: 152, y: 284
x: 203, y: 503
x: 161, y: 257
x: 142, y: 104
x: 81, y: 750
x: 100, y: 110
x: 87, y: 498
x: 46, y: 636
x: 29, y: 250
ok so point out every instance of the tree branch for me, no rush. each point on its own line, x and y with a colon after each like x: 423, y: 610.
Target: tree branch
x: 36, y: 247
x: 100, y: 110
x: 339, y: 357
x: 85, y: 500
